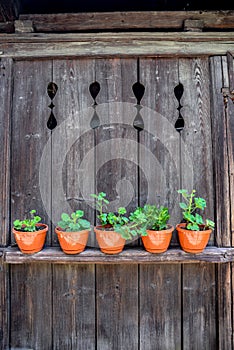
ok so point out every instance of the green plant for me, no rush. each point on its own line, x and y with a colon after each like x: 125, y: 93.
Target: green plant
x: 74, y: 222
x: 28, y: 225
x: 114, y: 219
x: 149, y: 217
x: 191, y: 204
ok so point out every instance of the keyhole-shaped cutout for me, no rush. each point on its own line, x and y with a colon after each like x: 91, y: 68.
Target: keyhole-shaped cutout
x: 52, y: 89
x: 178, y: 91
x: 138, y: 90
x: 94, y: 90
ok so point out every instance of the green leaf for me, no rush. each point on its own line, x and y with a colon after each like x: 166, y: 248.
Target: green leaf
x: 65, y: 217
x: 79, y: 213
x: 122, y: 211
x: 193, y: 227
x: 200, y: 203
x: 183, y: 206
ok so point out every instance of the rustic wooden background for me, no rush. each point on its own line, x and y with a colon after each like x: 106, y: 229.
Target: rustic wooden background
x: 147, y: 307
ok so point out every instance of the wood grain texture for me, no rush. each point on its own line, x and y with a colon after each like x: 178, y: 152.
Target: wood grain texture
x: 196, y: 141
x: 115, y: 45
x: 117, y: 310
x: 136, y: 255
x: 31, y: 307
x: 160, y: 304
x: 124, y: 20
x: 116, y: 139
x: 4, y: 304
x: 220, y: 162
x: 74, y: 307
x: 29, y: 136
x: 225, y: 306
x: 6, y: 81
x: 199, y: 317
x: 159, y: 158
x: 72, y: 140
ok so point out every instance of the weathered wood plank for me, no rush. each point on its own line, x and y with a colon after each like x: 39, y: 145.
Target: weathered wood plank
x: 160, y: 326
x: 159, y: 158
x: 74, y: 287
x: 219, y: 137
x: 116, y: 139
x: 6, y: 81
x: 69, y: 22
x: 29, y: 136
x: 72, y: 139
x: 117, y: 46
x: 4, y: 303
x: 158, y: 161
x: 225, y: 309
x: 199, y: 320
x: 31, y: 307
x: 128, y: 256
x: 196, y: 173
x: 197, y: 170
x: 113, y: 36
x: 117, y: 311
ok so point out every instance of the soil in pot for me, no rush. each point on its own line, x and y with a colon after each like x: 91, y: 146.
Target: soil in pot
x: 72, y: 242
x: 110, y: 242
x: 192, y: 241
x: 158, y: 241
x: 31, y: 242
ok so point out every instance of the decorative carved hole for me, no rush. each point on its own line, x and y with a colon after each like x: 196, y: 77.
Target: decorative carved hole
x: 52, y: 89
x: 138, y: 90
x: 94, y: 90
x: 178, y: 91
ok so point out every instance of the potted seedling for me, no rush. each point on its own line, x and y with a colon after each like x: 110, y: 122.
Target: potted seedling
x: 109, y: 240
x: 151, y: 223
x: 73, y: 232
x: 30, y: 234
x: 194, y: 234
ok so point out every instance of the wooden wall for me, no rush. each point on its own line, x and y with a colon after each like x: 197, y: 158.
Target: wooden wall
x: 147, y: 307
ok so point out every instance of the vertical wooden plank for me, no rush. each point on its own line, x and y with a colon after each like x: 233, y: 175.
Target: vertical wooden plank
x: 29, y: 136
x: 220, y: 162
x: 5, y: 132
x: 73, y: 310
x: 4, y: 304
x: 196, y: 135
x: 116, y: 174
x: 117, y: 308
x: 116, y: 157
x: 73, y: 138
x: 30, y: 309
x: 31, y: 315
x: 160, y: 307
x: 196, y: 141
x: 160, y: 315
x: 199, y: 291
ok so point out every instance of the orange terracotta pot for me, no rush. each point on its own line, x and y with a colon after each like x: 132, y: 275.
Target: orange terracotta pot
x: 31, y: 242
x: 192, y: 241
x: 72, y: 242
x: 157, y: 241
x: 110, y: 242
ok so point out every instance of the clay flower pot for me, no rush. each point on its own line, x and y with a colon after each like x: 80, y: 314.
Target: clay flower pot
x: 72, y: 242
x: 110, y: 242
x: 31, y: 242
x: 157, y: 241
x: 192, y: 241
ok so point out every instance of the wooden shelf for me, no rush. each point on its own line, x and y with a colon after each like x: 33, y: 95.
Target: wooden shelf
x: 128, y: 256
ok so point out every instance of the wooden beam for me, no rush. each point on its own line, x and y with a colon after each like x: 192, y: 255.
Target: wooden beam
x: 115, y: 45
x: 128, y: 256
x: 70, y: 22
